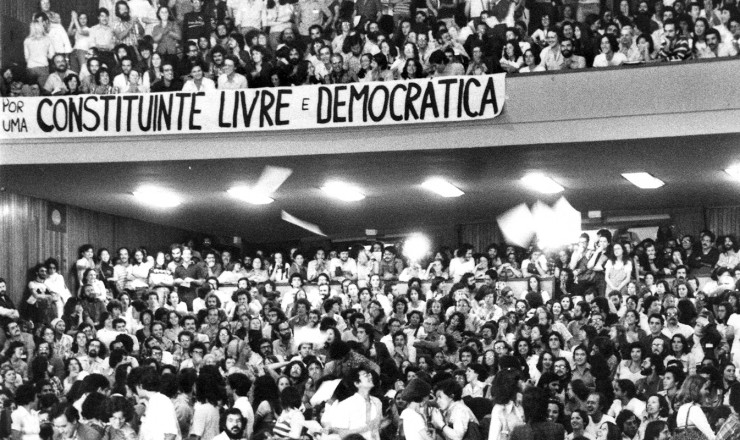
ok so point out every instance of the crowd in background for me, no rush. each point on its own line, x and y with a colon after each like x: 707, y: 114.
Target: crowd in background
x: 140, y: 46
x: 637, y: 340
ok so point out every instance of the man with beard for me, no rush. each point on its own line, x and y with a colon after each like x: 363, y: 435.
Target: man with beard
x: 232, y: 425
x: 8, y: 311
x: 284, y: 345
x: 192, y: 58
x: 571, y: 60
x: 55, y: 82
x: 217, y: 68
x: 122, y: 270
x: 222, y: 35
x: 729, y: 257
x: 176, y: 254
x: 653, y: 369
x: 195, y: 24
x: 13, y: 333
x: 121, y: 82
x: 87, y: 82
x: 237, y: 389
x: 642, y: 18
x: 673, y: 327
x: 91, y: 307
x: 126, y: 30
x: 40, y: 301
x: 95, y: 361
x: 673, y: 47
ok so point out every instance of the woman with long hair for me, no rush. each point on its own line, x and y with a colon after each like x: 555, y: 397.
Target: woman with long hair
x: 166, y: 34
x: 689, y: 416
x: 506, y: 414
x: 618, y: 269
x: 267, y: 406
x: 38, y: 50
x: 680, y: 351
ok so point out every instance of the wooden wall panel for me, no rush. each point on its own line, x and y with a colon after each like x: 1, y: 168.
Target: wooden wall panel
x: 724, y: 220
x: 26, y: 240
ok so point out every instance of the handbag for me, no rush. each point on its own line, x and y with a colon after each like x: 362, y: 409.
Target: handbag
x: 689, y: 433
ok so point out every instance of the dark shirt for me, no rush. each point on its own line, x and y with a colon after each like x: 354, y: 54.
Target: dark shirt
x: 92, y: 308
x: 195, y: 25
x: 160, y: 86
x: 538, y: 431
x: 194, y: 271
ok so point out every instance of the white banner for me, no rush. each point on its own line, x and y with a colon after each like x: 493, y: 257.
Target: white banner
x: 462, y: 98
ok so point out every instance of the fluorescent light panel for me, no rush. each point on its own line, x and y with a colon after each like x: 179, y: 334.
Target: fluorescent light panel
x: 157, y: 197
x: 342, y: 191
x: 733, y: 171
x: 643, y: 180
x: 541, y: 183
x: 247, y: 195
x: 442, y: 187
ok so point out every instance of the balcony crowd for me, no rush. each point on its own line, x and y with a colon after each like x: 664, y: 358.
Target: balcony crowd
x: 141, y: 46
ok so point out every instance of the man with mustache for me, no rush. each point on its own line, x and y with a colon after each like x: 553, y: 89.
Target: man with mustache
x: 126, y: 30
x: 232, y: 425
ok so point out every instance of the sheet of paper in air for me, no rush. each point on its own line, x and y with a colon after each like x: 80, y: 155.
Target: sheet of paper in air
x: 325, y: 391
x: 271, y: 179
x: 568, y: 219
x: 545, y: 225
x: 310, y: 227
x: 517, y: 225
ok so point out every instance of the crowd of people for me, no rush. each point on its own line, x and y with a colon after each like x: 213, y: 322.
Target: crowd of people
x: 637, y: 340
x: 140, y: 46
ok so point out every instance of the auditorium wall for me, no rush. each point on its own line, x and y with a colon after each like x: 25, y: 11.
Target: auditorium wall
x: 28, y: 236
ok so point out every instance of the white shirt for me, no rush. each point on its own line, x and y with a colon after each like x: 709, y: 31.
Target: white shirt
x: 413, y: 424
x: 159, y: 419
x: 361, y: 414
x: 205, y: 85
x: 243, y: 405
x: 27, y: 423
x: 592, y: 429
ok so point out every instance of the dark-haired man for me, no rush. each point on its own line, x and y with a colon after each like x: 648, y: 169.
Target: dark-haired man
x: 233, y: 426
x: 366, y: 410
x: 237, y: 387
x: 673, y: 46
x: 55, y: 82
x: 160, y: 420
x: 168, y: 82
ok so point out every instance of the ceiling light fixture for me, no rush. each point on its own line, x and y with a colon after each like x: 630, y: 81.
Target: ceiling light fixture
x: 541, y: 183
x: 342, y: 191
x: 442, y: 187
x: 246, y: 194
x: 734, y: 171
x: 157, y: 197
x: 643, y: 180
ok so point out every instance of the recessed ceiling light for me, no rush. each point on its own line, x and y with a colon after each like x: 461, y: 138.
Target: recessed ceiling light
x: 643, y: 180
x: 442, y: 187
x: 342, y: 191
x: 734, y: 171
x: 541, y: 183
x: 247, y: 195
x: 157, y: 197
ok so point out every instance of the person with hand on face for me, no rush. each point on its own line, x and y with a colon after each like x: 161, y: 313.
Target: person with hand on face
x: 452, y: 416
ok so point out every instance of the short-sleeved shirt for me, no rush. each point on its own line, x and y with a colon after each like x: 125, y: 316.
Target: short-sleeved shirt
x: 159, y: 419
x: 205, y: 421
x: 27, y: 423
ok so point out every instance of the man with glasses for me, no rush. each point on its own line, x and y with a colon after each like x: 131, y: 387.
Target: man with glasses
x: 673, y: 327
x: 168, y: 82
x: 284, y: 345
x: 428, y: 345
